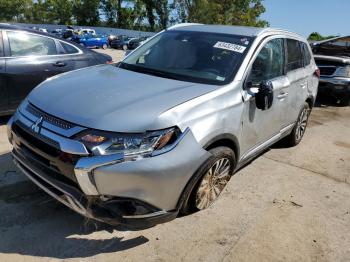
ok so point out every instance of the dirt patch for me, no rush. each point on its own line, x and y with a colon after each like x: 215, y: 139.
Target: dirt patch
x: 342, y: 144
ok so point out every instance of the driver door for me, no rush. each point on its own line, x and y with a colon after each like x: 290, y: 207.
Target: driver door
x: 261, y: 128
x: 30, y: 60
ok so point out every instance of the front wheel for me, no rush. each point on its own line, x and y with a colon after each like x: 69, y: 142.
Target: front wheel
x: 300, y: 126
x: 213, y: 177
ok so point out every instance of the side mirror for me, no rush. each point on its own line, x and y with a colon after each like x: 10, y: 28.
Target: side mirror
x: 264, y: 97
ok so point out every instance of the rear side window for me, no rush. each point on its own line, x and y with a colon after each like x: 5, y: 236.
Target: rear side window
x: 1, y: 46
x: 294, y: 57
x: 69, y: 49
x: 306, y: 53
x: 23, y: 44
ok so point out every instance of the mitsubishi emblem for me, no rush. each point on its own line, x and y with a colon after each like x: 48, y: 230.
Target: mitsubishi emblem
x: 37, y: 125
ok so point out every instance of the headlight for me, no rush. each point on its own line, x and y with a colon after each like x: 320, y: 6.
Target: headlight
x: 343, y: 71
x: 131, y: 145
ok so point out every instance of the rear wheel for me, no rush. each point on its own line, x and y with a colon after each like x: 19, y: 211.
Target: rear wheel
x: 300, y: 126
x: 344, y: 100
x: 213, y: 176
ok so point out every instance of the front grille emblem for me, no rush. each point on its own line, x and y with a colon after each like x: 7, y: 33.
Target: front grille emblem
x: 37, y: 125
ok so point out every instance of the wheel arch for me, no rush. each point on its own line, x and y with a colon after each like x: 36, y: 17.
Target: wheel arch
x: 227, y: 140
x: 311, y: 101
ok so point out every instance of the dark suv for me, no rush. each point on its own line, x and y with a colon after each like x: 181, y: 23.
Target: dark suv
x: 29, y: 57
x: 333, y: 58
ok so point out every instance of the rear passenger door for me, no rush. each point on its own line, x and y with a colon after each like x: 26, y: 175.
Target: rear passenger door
x: 298, y: 78
x: 71, y: 57
x: 3, y: 93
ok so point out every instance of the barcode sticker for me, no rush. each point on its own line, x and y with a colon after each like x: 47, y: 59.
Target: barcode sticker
x: 230, y: 47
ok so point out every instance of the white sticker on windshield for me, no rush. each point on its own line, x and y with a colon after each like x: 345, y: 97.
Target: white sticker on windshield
x: 231, y: 47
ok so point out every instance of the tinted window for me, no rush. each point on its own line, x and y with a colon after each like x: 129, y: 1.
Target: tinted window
x: 306, y: 54
x: 269, y: 63
x: 190, y: 56
x: 1, y: 46
x: 294, y: 58
x: 69, y: 49
x: 23, y: 44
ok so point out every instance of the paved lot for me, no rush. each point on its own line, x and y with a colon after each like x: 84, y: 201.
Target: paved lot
x: 117, y: 55
x: 291, y: 204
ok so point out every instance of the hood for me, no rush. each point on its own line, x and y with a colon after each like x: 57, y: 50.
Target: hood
x: 337, y: 59
x: 113, y: 99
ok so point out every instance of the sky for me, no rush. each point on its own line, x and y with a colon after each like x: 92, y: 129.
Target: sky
x: 328, y: 17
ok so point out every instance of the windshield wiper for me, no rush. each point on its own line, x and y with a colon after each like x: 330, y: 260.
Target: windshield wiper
x: 149, y: 71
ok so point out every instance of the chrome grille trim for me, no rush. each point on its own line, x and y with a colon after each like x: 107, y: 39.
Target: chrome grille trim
x: 50, y: 119
x: 51, y: 123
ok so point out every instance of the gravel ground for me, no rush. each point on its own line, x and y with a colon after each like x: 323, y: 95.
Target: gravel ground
x: 290, y: 204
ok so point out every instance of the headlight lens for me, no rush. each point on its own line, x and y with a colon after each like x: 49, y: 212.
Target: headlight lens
x: 343, y: 71
x: 131, y: 145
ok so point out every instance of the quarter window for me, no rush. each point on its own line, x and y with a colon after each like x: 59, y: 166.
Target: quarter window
x: 69, y: 49
x: 23, y: 44
x: 1, y: 46
x: 269, y: 63
x: 294, y: 58
x: 306, y: 54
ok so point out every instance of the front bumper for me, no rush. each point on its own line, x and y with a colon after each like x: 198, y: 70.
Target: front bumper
x: 334, y: 85
x: 154, y: 184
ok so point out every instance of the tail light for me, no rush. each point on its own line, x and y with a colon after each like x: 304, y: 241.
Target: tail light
x: 109, y: 62
x: 317, y: 73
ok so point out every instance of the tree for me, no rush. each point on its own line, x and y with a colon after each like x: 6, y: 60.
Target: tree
x: 14, y: 10
x: 86, y: 12
x: 227, y: 12
x: 61, y: 11
x: 315, y: 36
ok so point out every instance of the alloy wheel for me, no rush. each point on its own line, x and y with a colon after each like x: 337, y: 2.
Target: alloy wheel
x: 213, y: 182
x: 301, y: 124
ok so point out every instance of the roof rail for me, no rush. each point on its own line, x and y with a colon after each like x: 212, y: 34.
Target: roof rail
x: 182, y: 25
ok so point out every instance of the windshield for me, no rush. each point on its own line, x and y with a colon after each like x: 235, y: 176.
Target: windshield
x: 336, y: 47
x: 201, y: 57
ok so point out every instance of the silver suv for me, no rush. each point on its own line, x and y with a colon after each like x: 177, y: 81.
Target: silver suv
x: 163, y: 131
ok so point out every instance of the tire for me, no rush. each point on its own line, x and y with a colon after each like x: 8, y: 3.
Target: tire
x: 344, y: 100
x: 193, y: 194
x: 104, y: 46
x: 125, y: 47
x: 300, y: 127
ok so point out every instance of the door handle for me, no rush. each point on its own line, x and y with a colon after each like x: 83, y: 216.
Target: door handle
x: 282, y: 95
x: 59, y: 64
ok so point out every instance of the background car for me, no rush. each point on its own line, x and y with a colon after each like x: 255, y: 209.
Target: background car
x: 95, y: 41
x: 136, y: 42
x: 121, y: 42
x: 28, y: 57
x: 332, y: 56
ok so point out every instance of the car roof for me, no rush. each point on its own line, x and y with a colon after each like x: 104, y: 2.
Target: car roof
x: 4, y: 26
x: 229, y: 29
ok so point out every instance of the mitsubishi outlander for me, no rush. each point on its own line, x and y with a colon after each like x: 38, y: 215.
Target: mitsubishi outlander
x: 163, y: 131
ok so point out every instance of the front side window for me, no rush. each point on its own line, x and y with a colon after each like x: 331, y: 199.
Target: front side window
x: 23, y: 44
x: 294, y: 57
x: 201, y: 57
x: 269, y: 63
